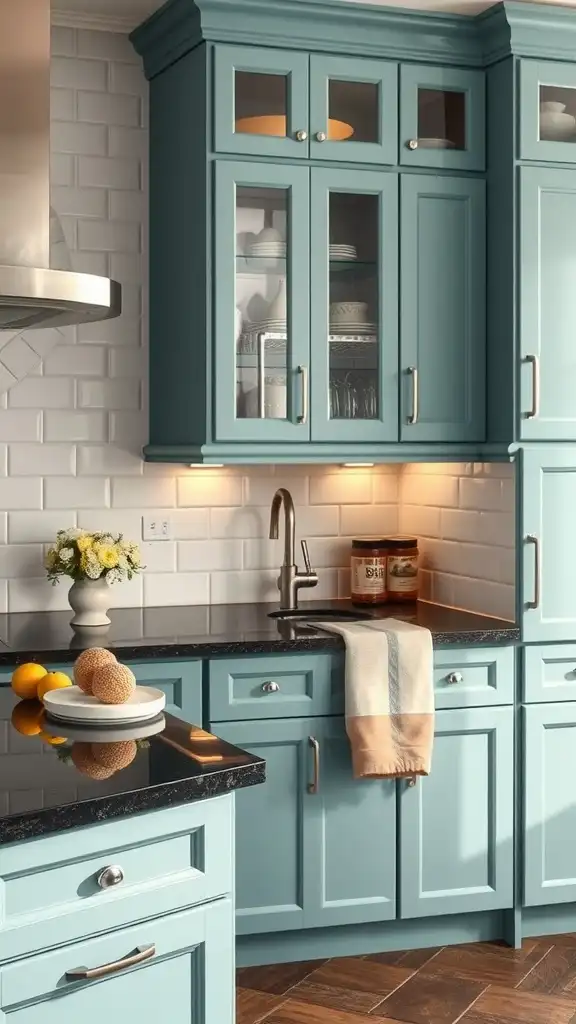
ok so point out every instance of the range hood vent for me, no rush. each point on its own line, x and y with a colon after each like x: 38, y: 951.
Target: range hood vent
x: 32, y: 292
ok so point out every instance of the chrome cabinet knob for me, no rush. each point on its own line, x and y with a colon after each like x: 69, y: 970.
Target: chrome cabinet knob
x: 321, y: 136
x: 270, y: 687
x: 413, y: 144
x: 454, y: 677
x: 411, y: 781
x: 302, y: 135
x: 109, y: 876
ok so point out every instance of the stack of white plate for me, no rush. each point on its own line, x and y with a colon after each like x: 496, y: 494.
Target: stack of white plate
x: 350, y: 330
x: 342, y: 252
x: 272, y: 250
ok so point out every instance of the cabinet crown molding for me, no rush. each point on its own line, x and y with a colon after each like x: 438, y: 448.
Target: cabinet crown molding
x: 331, y: 26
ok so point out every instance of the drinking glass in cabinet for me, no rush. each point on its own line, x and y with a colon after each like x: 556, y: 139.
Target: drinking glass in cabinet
x: 441, y: 119
x: 261, y: 319
x: 557, y: 120
x: 353, y: 111
x: 260, y: 103
x: 354, y: 305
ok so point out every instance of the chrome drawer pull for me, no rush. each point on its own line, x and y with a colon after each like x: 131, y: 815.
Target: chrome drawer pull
x: 535, y: 410
x: 303, y: 415
x: 454, y: 677
x: 413, y: 417
x: 270, y: 687
x: 532, y: 539
x: 87, y: 973
x: 313, y: 786
x: 109, y: 876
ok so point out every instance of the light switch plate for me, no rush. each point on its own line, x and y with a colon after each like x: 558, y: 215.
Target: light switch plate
x: 156, y: 527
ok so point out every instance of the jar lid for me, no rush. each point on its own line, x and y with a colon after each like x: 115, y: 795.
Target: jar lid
x: 369, y: 542
x: 398, y: 543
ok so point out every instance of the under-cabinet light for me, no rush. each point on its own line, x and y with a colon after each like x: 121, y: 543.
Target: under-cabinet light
x: 356, y: 465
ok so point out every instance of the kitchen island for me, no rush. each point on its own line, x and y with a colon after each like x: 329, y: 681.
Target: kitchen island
x: 117, y: 862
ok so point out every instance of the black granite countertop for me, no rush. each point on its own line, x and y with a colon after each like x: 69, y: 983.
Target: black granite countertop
x: 205, y: 631
x: 52, y: 776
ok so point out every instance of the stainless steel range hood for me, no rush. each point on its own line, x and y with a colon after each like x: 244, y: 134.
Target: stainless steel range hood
x: 32, y: 294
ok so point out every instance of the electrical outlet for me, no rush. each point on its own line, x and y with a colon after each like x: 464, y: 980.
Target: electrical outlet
x: 156, y: 528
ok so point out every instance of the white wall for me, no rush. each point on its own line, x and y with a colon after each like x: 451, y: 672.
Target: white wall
x: 70, y: 435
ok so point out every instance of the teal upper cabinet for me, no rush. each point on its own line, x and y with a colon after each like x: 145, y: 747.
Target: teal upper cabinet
x: 353, y: 110
x: 548, y: 111
x: 442, y: 118
x: 549, y: 804
x: 456, y: 827
x: 548, y: 499
x: 548, y: 302
x: 313, y: 820
x: 288, y: 104
x: 261, y: 101
x: 354, y: 313
x: 442, y: 310
x: 261, y: 302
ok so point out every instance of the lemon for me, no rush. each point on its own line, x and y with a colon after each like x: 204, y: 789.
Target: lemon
x: 53, y: 681
x: 25, y: 680
x: 26, y: 717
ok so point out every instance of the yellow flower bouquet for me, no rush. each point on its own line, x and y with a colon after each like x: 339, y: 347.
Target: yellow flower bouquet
x: 92, y: 556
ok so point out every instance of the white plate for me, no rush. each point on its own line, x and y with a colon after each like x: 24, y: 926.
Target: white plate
x: 73, y: 705
x: 104, y: 733
x: 436, y: 144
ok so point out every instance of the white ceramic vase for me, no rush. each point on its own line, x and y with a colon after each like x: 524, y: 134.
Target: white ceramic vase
x: 89, y: 600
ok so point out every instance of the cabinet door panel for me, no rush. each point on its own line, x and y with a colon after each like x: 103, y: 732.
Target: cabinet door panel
x: 548, y: 561
x: 547, y: 304
x: 443, y: 290
x: 442, y: 118
x: 353, y: 110
x: 354, y: 365
x: 269, y: 824
x: 456, y: 826
x: 260, y: 101
x: 547, y: 89
x: 261, y: 299
x: 549, y: 804
x: 350, y: 839
x: 192, y: 967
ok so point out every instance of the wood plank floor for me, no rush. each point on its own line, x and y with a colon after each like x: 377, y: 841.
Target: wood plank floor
x: 483, y: 983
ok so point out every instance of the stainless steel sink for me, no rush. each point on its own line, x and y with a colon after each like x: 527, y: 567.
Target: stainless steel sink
x: 320, y: 615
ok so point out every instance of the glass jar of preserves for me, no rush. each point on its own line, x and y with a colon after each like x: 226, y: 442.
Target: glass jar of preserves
x: 368, y: 571
x: 402, y: 568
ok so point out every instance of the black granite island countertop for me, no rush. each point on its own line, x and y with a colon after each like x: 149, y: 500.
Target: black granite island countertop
x: 54, y: 779
x: 206, y: 631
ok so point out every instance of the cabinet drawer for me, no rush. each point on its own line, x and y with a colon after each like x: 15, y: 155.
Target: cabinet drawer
x: 549, y: 673
x: 189, y: 965
x: 49, y: 886
x: 474, y: 678
x: 276, y: 687
x: 181, y: 681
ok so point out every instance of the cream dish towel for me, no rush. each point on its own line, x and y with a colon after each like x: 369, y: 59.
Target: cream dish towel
x: 389, y: 697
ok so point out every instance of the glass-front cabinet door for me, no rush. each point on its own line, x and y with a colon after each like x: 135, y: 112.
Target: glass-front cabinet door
x: 353, y: 110
x: 261, y: 101
x: 261, y: 302
x: 548, y: 111
x: 442, y: 118
x: 354, y: 315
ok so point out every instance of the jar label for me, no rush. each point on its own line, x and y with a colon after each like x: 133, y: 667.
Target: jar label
x: 368, y: 575
x: 402, y: 573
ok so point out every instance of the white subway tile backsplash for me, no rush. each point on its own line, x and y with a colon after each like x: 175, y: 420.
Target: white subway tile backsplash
x: 41, y: 459
x: 85, y: 139
x: 109, y: 394
x: 208, y: 555
x: 112, y: 521
x: 79, y: 202
x: 126, y: 205
x: 127, y: 362
x: 159, y: 556
x: 341, y: 487
x: 245, y: 586
x: 108, y: 172
x: 63, y: 104
x: 371, y: 520
x: 105, y: 46
x: 18, y: 560
x: 65, y: 73
x: 126, y: 78
x: 20, y: 493
x: 259, y: 488
x: 189, y: 524
x: 108, y: 109
x: 61, y: 169
x: 42, y: 393
x: 172, y: 588
x: 250, y: 521
x: 481, y: 493
x: 38, y: 527
x: 31, y: 594
x: 130, y: 492
x: 73, y: 426
x: 76, y: 361
x: 111, y: 236
x: 62, y: 41
x: 76, y: 492
x: 107, y: 459
x: 18, y: 358
x: 124, y: 141
x: 210, y: 488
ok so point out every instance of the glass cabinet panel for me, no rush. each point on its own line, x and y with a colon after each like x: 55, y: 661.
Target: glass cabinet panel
x: 442, y: 117
x: 262, y: 300
x: 354, y: 317
x: 261, y: 101
x: 353, y: 109
x: 547, y: 111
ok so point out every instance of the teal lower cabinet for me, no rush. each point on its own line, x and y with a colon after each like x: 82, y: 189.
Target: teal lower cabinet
x: 181, y: 963
x: 549, y: 804
x: 328, y: 842
x: 456, y: 826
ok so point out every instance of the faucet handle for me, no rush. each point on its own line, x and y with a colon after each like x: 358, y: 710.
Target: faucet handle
x: 306, y: 556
